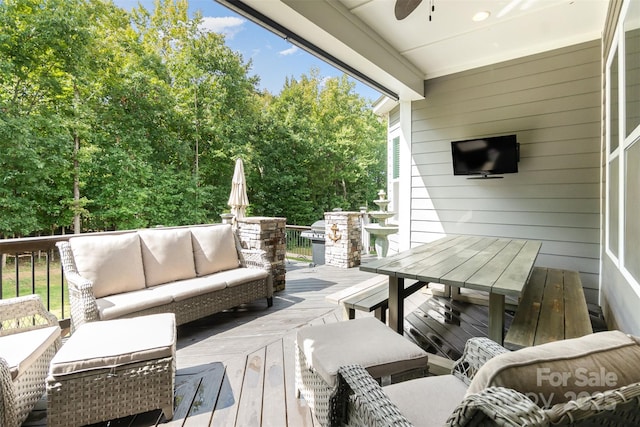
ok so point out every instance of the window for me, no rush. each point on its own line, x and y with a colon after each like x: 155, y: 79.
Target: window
x: 396, y: 157
x: 623, y: 144
x: 632, y: 208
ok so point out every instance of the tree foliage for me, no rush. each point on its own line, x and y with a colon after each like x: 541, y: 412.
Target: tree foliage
x: 133, y: 119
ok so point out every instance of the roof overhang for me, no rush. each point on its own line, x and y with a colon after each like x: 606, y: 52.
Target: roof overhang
x: 338, y: 37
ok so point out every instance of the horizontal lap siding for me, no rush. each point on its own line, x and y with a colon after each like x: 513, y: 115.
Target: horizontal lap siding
x: 552, y: 102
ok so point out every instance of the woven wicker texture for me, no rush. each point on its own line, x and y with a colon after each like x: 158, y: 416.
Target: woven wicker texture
x: 362, y: 402
x: 18, y: 397
x: 105, y: 394
x: 316, y: 392
x: 618, y: 407
x: 497, y: 406
x: 476, y: 353
x: 84, y: 308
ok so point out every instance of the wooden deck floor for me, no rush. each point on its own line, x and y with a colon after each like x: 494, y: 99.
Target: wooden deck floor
x: 236, y: 368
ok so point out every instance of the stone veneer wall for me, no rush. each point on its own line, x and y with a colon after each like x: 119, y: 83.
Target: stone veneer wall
x: 268, y: 234
x: 343, y: 252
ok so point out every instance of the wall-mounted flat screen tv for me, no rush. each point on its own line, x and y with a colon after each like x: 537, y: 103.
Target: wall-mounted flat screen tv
x: 486, y: 156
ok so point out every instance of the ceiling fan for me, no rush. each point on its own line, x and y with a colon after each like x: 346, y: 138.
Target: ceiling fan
x: 404, y: 8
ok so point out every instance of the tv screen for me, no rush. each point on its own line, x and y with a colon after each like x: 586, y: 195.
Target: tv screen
x: 485, y: 156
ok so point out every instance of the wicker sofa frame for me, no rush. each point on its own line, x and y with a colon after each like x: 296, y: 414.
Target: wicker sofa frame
x: 17, y: 398
x: 84, y: 307
x: 364, y: 403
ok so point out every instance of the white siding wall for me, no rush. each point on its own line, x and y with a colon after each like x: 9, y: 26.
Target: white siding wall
x: 552, y: 101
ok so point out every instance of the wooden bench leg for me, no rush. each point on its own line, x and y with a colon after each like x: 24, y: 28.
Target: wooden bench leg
x: 349, y: 313
x: 496, y: 317
x: 381, y: 314
x: 446, y: 292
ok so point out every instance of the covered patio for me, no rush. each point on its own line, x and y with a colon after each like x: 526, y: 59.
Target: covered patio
x: 577, y: 192
x: 237, y: 368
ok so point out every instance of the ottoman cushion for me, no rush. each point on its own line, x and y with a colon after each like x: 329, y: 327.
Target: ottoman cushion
x: 118, y: 342
x: 367, y: 342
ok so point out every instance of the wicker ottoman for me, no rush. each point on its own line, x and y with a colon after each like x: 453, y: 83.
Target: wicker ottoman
x: 323, y: 349
x: 112, y: 369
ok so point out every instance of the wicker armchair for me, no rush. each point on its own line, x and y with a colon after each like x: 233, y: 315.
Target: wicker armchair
x: 29, y: 338
x: 365, y: 403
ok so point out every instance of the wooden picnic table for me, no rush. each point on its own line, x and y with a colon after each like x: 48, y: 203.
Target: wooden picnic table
x: 499, y: 266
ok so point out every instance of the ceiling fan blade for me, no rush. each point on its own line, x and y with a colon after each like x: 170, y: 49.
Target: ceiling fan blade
x: 405, y: 7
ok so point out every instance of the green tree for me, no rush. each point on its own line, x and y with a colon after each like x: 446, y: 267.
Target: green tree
x: 41, y: 47
x: 214, y: 95
x: 328, y: 153
x: 115, y: 120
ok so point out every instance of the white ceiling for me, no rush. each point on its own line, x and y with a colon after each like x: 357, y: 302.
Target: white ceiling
x: 402, y: 54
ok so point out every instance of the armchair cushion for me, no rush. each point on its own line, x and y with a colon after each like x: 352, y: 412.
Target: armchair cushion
x: 560, y: 371
x: 21, y: 350
x: 214, y: 249
x: 443, y: 392
x: 167, y: 255
x: 113, y: 263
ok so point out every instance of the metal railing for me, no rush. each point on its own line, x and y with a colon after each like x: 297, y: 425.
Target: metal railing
x: 31, y: 265
x: 297, y: 246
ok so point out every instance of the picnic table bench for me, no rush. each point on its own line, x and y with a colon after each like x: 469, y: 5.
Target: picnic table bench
x: 369, y: 295
x: 552, y: 307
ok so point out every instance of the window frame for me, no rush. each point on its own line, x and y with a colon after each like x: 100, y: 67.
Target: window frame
x: 625, y: 142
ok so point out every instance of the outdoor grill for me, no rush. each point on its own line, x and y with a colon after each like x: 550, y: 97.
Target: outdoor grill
x: 316, y: 235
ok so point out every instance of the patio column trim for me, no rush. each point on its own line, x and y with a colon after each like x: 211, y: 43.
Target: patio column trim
x: 406, y: 168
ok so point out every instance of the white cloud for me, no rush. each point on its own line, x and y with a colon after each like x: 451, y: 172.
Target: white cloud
x: 227, y: 25
x: 290, y: 51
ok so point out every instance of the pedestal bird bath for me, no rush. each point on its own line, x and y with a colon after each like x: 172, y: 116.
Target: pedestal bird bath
x: 380, y: 229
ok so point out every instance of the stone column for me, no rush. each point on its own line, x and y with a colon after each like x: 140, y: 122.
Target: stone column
x: 268, y: 234
x: 343, y: 239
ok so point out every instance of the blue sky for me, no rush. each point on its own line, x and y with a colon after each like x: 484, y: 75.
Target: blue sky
x: 273, y: 58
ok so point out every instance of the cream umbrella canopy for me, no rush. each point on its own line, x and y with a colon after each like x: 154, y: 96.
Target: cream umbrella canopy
x: 238, y: 199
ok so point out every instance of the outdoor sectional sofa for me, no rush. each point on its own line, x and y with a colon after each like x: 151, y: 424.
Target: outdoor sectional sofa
x: 190, y: 271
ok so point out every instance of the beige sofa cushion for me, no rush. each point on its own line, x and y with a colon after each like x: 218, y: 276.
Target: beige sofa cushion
x: 120, y: 305
x: 114, y: 343
x: 167, y: 255
x: 22, y: 349
x: 214, y: 249
x: 366, y: 341
x: 240, y: 276
x: 112, y: 262
x: 189, y: 288
x: 559, y: 371
x: 428, y: 401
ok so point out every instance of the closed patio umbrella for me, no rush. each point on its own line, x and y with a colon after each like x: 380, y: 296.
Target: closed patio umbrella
x: 238, y: 199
